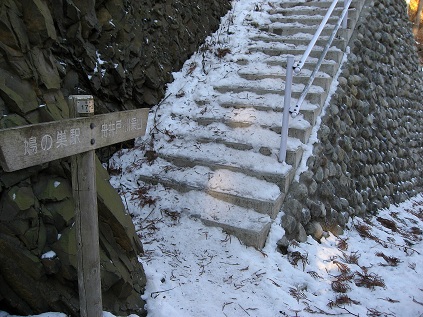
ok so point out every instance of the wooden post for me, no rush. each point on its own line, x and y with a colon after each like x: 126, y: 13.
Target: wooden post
x: 30, y: 145
x: 86, y: 220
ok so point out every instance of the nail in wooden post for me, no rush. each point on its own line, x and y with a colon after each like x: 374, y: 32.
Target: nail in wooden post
x: 86, y: 219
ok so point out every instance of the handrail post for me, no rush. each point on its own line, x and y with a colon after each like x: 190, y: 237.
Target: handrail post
x: 286, y: 106
x: 345, y: 21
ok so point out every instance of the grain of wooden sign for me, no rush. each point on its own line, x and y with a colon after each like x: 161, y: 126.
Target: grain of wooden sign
x: 35, y: 144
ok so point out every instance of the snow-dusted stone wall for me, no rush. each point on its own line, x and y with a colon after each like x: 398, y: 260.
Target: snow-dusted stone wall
x: 122, y: 52
x: 370, y: 149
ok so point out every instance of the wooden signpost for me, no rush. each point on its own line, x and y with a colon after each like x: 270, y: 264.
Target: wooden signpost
x: 35, y: 144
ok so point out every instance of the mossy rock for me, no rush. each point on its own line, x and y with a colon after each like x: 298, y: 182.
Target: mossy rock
x: 12, y: 120
x: 66, y: 251
x: 112, y: 212
x: 62, y: 213
x: 22, y: 197
x: 35, y: 239
x: 52, y: 188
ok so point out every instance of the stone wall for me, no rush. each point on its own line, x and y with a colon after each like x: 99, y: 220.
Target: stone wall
x: 370, y: 149
x: 122, y: 52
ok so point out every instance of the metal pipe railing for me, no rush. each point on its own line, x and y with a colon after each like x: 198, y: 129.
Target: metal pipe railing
x: 296, y: 109
x: 316, y: 35
x: 286, y: 105
x: 296, y: 68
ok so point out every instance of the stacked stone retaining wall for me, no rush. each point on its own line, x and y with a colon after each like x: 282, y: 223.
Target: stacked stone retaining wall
x: 370, y: 149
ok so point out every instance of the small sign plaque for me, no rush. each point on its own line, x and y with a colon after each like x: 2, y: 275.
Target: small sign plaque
x: 84, y: 103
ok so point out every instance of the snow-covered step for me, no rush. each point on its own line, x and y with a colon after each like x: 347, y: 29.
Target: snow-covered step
x: 224, y: 153
x: 235, y: 188
x: 310, y: 10
x: 239, y: 119
x: 294, y: 150
x: 315, y: 95
x: 256, y: 134
x: 318, y: 4
x: 218, y: 156
x: 323, y: 80
x: 327, y: 67
x: 296, y: 42
x: 304, y: 20
x: 254, y: 138
x: 287, y: 30
x: 299, y: 128
x: 250, y: 227
x: 309, y: 110
x: 276, y: 50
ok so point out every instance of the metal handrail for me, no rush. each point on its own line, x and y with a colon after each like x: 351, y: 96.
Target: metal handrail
x: 296, y: 109
x: 296, y: 68
x: 313, y: 41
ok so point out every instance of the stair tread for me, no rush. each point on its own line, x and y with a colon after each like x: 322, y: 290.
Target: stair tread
x: 276, y: 71
x: 295, y: 42
x: 249, y: 226
x: 241, y: 100
x: 221, y: 180
x: 267, y: 85
x: 253, y: 136
x: 322, y: 4
x: 221, y: 155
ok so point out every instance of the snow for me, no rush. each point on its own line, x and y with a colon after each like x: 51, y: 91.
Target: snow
x: 49, y: 255
x: 193, y: 270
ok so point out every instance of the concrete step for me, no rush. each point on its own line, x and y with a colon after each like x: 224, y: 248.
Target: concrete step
x: 309, y: 111
x: 281, y: 50
x: 319, y: 4
x: 232, y: 187
x: 304, y: 20
x: 310, y: 10
x: 322, y: 80
x: 296, y: 42
x: 328, y: 67
x: 255, y: 135
x: 315, y: 95
x: 289, y: 30
x: 185, y: 153
x: 249, y: 226
x: 299, y: 128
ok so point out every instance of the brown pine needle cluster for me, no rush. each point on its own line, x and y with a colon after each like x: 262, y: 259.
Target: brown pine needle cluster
x: 390, y: 260
x: 296, y: 256
x: 342, y: 244
x: 342, y: 300
x: 368, y: 280
x: 351, y: 258
x: 297, y: 293
x: 387, y: 223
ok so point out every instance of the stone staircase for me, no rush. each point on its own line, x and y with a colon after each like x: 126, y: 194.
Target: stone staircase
x: 224, y: 155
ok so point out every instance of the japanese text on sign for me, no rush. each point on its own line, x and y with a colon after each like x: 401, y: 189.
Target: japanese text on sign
x: 112, y: 128
x: 62, y: 138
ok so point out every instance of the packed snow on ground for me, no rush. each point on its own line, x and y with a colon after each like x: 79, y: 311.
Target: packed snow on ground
x: 374, y: 269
